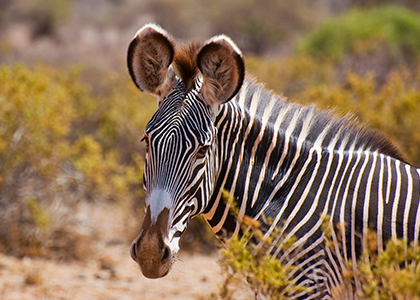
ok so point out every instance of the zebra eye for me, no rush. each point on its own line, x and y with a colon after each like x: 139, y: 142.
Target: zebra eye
x: 146, y: 140
x: 202, y: 151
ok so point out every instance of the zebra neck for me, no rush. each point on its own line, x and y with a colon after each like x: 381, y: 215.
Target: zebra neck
x: 264, y: 143
x: 256, y: 163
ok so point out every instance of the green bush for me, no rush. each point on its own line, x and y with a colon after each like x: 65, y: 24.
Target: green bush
x: 249, y: 268
x: 392, y: 27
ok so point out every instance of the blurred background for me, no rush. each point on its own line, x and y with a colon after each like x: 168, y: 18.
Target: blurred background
x: 71, y: 120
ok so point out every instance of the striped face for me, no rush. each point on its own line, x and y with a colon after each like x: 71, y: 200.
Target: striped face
x: 179, y: 174
x: 190, y: 83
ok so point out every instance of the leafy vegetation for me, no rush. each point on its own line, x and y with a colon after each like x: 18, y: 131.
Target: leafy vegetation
x: 59, y: 144
x: 391, y: 274
x: 251, y: 273
x: 392, y: 27
x: 248, y: 267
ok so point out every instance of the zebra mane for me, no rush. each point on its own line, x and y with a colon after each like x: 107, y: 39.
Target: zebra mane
x: 342, y: 132
x: 185, y: 63
x: 310, y: 122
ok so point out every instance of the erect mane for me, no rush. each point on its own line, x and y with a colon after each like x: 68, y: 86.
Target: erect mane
x: 342, y: 132
x: 185, y: 62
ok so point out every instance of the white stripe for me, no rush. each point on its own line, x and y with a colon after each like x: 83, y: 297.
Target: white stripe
x: 344, y: 200
x: 380, y: 204
x: 241, y: 116
x: 211, y: 213
x: 388, y: 189
x: 417, y: 226
x: 396, y: 201
x: 287, y: 137
x: 301, y: 202
x: 407, y: 205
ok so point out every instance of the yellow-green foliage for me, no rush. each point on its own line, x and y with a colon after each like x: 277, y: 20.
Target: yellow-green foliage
x: 61, y: 140
x: 392, y: 274
x: 48, y: 118
x: 35, y: 117
x: 393, y: 108
x: 249, y: 266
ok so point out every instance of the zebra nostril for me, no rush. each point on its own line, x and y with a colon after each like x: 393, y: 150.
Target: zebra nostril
x: 133, y: 252
x: 166, y: 255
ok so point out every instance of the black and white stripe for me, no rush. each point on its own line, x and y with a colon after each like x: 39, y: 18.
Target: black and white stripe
x: 287, y: 166
x: 297, y: 165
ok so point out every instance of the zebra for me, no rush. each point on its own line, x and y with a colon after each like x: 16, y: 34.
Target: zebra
x: 217, y: 129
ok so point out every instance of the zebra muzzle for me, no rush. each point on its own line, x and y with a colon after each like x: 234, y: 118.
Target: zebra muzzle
x: 149, y: 250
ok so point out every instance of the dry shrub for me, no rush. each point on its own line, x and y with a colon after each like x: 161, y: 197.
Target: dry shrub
x: 393, y: 273
x: 60, y: 144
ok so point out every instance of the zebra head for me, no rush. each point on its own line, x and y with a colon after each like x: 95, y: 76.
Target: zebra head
x: 191, y: 82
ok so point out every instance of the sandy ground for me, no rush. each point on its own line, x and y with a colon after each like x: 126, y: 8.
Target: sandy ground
x: 113, y: 276
x: 110, y: 273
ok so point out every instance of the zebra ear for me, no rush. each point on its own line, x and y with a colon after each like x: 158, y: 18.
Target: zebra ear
x: 149, y: 56
x: 223, y: 69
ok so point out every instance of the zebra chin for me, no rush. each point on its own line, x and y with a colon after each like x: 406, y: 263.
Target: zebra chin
x: 150, y: 250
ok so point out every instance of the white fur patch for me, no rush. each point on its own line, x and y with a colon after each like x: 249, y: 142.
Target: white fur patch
x: 227, y: 39
x: 154, y: 27
x: 157, y: 201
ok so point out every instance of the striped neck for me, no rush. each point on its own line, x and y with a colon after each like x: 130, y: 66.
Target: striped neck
x: 263, y: 140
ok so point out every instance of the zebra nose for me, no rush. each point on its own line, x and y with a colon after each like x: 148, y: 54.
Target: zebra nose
x: 166, y: 252
x: 153, y: 257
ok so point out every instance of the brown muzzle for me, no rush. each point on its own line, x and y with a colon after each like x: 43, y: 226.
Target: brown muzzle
x: 149, y: 249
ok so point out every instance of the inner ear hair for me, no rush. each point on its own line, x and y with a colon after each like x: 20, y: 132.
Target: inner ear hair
x: 149, y: 56
x: 223, y: 69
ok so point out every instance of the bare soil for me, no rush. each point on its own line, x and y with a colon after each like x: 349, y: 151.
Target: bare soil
x: 114, y: 276
x: 108, y: 272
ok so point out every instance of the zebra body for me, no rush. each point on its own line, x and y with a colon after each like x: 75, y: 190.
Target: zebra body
x: 296, y: 181
x: 216, y: 130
